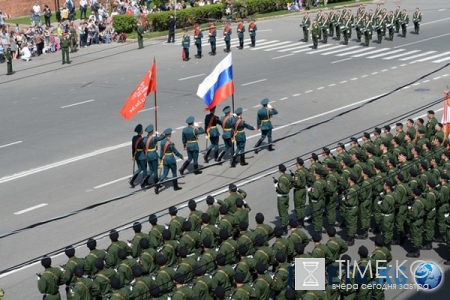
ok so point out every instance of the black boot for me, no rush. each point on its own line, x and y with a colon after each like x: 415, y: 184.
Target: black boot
x: 233, y: 161
x: 196, y: 170
x: 157, y: 187
x: 132, y: 180
x: 362, y: 236
x: 216, y: 155
x: 205, y: 157
x: 221, y: 156
x: 351, y: 241
x: 176, y: 187
x: 258, y: 143
x: 427, y: 246
x: 183, y: 167
x: 271, y: 148
x: 414, y: 253
x: 377, y: 229
x: 243, y: 163
x: 145, y: 182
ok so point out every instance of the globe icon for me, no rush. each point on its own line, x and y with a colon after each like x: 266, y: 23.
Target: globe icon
x: 428, y: 275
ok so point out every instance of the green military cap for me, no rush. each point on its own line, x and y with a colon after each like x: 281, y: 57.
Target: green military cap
x: 179, y: 278
x: 366, y: 135
x: 379, y: 240
x: 155, y: 291
x: 346, y: 160
x: 385, y: 143
x: 153, y: 219
x: 46, y: 262
x: 282, y: 168
x: 113, y: 235
x: 138, y: 128
x: 392, y: 161
x: 261, y: 268
x: 226, y: 109
x: 78, y: 271
x: 243, y: 250
x: 389, y: 183
x: 205, y: 218
x: 190, y: 120
x: 265, y: 101
x: 223, y: 233
x: 318, y: 172
x: 417, y: 191
x: 239, y: 202
x: 115, y: 283
x: 243, y: 225
x: 363, y: 251
x: 168, y: 131
x: 187, y: 226
x: 223, y: 210
x: 91, y: 244
x: 437, y: 159
x: 293, y: 223
x: 137, y: 227
x: 238, y: 111
x: 173, y: 211
x: 411, y: 121
x: 316, y: 237
x: 330, y: 165
x: 300, y: 161
x: 431, y: 183
x: 149, y: 128
x: 137, y: 270
x: 314, y: 156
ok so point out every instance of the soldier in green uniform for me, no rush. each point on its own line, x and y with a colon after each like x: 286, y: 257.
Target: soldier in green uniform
x: 102, y: 280
x: 325, y: 27
x: 366, y: 30
x: 69, y: 267
x: 442, y: 206
x: 315, y: 31
x: 124, y: 268
x: 8, y: 57
x: 246, y: 264
x: 365, y: 205
x: 282, y: 244
x: 358, y: 25
x: 363, y: 293
x: 212, y: 39
x: 261, y: 228
x: 175, y: 224
x: 351, y: 203
x: 337, y: 23
x: 432, y: 197
x: 404, y: 21
x: 397, y: 16
x: 212, y: 133
x: 380, y: 28
x: 331, y: 193
x: 390, y: 24
x: 297, y: 235
x: 331, y: 17
x: 186, y: 263
x: 213, y: 210
x: 227, y: 124
x: 168, y: 161
x: 201, y: 284
x: 243, y: 290
x: 320, y: 250
x: 239, y: 126
x: 242, y: 211
x: 335, y: 244
x: 148, y: 257
x: 252, y: 28
x: 281, y: 276
x: 319, y: 18
x: 263, y: 281
x: 141, y: 284
x: 416, y: 213
x: 263, y: 254
x: 246, y: 237
x: 240, y: 32
x: 185, y: 44
x: 346, y: 28
x: 155, y: 233
x: 138, y: 235
x: 208, y: 259
x: 263, y: 122
x: 431, y: 124
x: 169, y: 248
x: 316, y: 198
x: 140, y: 35
x: 417, y: 19
x: 50, y: 280
x: 299, y: 184
x: 282, y: 188
x: 403, y: 197
x: 230, y: 200
x: 119, y: 291
x: 73, y: 39
x: 195, y: 216
x: 151, y: 152
x: 227, y: 220
x: 228, y: 246
x: 190, y: 143
x: 198, y: 35
x: 93, y: 254
x: 65, y: 44
x: 380, y: 258
x: 387, y: 210
x: 164, y: 275
x: 83, y: 287
x: 190, y: 238
x: 306, y: 24
x: 227, y: 37
x: 224, y: 274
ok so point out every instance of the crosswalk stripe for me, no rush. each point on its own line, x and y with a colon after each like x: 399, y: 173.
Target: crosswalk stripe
x: 266, y: 45
x: 433, y: 57
x: 441, y: 60
x: 309, y: 49
x: 372, y: 52
x: 318, y: 51
x: 401, y: 54
x: 295, y: 48
x: 418, y: 55
x: 352, y: 52
x: 332, y: 52
x: 384, y: 54
x: 276, y: 48
x: 232, y: 42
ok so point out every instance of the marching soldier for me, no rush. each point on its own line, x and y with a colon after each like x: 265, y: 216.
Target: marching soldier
x: 431, y: 125
x: 403, y: 193
x: 239, y: 126
x: 363, y: 293
x: 367, y: 30
x: 50, y: 280
x: 346, y: 29
x: 83, y: 287
x: 93, y: 254
x: 112, y: 258
x: 365, y: 203
x: 319, y: 18
x: 227, y: 37
x: 380, y: 27
x: 442, y: 206
x: 240, y: 33
x: 263, y: 121
x: 141, y: 284
x: 151, y: 154
x: 283, y: 187
x: 432, y: 197
x: 315, y: 33
x: 168, y: 161
x: 387, y: 209
x: 378, y: 10
x: 137, y: 154
x: 212, y: 133
x: 8, y: 57
x: 135, y: 242
x: 351, y: 204
x: 325, y: 24
x: 358, y: 26
x: 252, y: 28
x: 185, y: 44
x: 390, y: 23
x: 190, y: 143
x: 416, y: 212
x: 299, y: 184
x: 404, y: 21
x: 65, y: 43
x: 198, y: 35
x: 397, y: 16
x: 212, y: 38
x: 227, y: 125
x: 332, y: 17
x: 69, y: 267
x: 140, y: 35
x: 417, y: 19
x: 306, y: 24
x: 316, y: 198
x: 352, y: 19
x: 73, y: 38
x: 243, y: 290
x: 380, y: 257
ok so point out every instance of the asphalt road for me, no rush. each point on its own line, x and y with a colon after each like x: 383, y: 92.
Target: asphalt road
x: 64, y: 146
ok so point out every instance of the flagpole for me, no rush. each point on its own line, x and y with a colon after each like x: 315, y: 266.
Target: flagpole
x: 156, y: 102
x: 232, y: 102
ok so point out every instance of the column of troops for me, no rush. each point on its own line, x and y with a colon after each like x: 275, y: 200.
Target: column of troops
x: 386, y: 185
x: 364, y: 22
x: 208, y: 255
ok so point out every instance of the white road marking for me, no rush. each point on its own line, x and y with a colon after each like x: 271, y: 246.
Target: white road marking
x: 333, y: 84
x: 284, y: 98
x: 190, y: 77
x: 364, y: 76
x: 282, y: 56
x: 406, y: 87
x: 436, y: 78
x: 384, y: 70
x: 10, y: 144
x: 320, y: 88
x: 374, y: 73
x: 264, y: 30
x: 79, y: 103
x: 147, y: 109
x: 384, y: 54
x: 441, y: 60
x: 111, y: 182
x: 325, y: 46
x: 445, y: 75
x: 417, y: 83
x: 266, y: 45
x: 433, y: 57
x: 371, y: 52
x: 345, y: 81
x: 442, y: 9
x: 424, y: 40
x: 340, y: 50
x: 338, y: 61
x: 353, y: 52
x: 393, y: 68
x: 418, y: 55
x: 253, y: 82
x: 309, y: 91
x: 181, y: 127
x: 353, y: 79
x: 296, y: 95
x: 425, y: 81
x: 303, y: 45
x: 401, y: 54
x: 30, y: 208
x: 279, y: 46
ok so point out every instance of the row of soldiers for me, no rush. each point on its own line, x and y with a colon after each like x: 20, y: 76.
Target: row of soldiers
x: 401, y: 181
x: 365, y: 23
x: 212, y: 36
x: 208, y: 255
x: 145, y: 149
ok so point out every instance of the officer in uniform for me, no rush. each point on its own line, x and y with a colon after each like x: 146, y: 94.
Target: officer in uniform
x: 93, y: 254
x: 212, y: 38
x: 299, y: 184
x: 239, y: 126
x: 140, y: 35
x: 387, y: 209
x: 404, y: 20
x: 306, y: 24
x: 227, y: 37
x: 315, y: 31
x: 83, y: 287
x: 252, y: 28
x: 351, y: 204
x: 325, y: 24
x: 185, y: 44
x: 367, y: 30
x: 380, y: 27
x: 65, y: 44
x: 168, y: 161
x: 263, y: 121
x: 198, y: 35
x: 137, y: 154
x: 417, y: 19
x: 416, y: 211
x: 316, y: 198
x: 240, y: 32
x: 346, y: 29
x: 380, y: 258
x: 227, y: 125
x: 73, y: 39
x: 243, y: 290
x: 190, y: 138
x: 283, y: 187
x: 8, y: 57
x: 141, y: 284
x: 212, y: 133
x: 50, y: 280
x: 151, y: 154
x: 69, y: 267
x: 390, y: 23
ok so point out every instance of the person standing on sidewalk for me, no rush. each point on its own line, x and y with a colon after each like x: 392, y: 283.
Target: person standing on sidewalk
x: 171, y: 38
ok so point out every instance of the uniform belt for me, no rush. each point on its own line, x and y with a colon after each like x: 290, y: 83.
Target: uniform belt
x: 212, y: 127
x: 240, y: 131
x: 386, y: 215
x: 282, y: 195
x: 268, y: 120
x: 151, y: 150
x: 195, y: 141
x: 351, y: 207
x: 314, y: 201
x: 168, y: 153
x: 227, y: 129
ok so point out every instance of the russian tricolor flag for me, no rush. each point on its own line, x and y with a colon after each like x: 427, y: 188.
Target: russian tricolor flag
x: 218, y: 85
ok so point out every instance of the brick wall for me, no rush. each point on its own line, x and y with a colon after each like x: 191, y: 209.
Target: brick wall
x: 18, y: 8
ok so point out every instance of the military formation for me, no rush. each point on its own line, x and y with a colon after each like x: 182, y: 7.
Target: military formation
x: 367, y: 23
x: 206, y: 255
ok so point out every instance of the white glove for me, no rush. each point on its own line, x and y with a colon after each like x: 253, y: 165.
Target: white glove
x: 215, y: 200
x: 309, y: 189
x: 446, y: 215
x: 130, y: 245
x: 195, y: 124
x: 156, y: 132
x: 409, y: 207
x: 234, y: 115
x: 379, y: 202
x: 269, y: 106
x: 275, y: 184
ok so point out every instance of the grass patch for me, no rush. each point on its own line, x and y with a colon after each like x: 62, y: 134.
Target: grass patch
x: 25, y: 20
